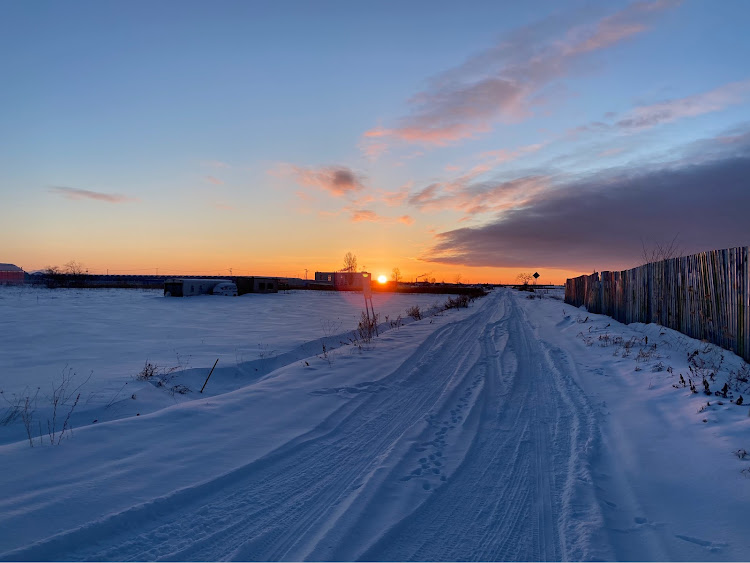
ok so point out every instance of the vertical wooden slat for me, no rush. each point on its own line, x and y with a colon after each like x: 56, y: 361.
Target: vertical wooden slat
x: 705, y: 296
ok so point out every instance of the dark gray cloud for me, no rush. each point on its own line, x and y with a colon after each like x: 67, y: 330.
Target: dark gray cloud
x: 337, y: 180
x: 599, y: 222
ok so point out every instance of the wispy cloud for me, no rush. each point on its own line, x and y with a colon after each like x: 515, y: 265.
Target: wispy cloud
x: 644, y: 117
x: 213, y: 180
x: 610, y: 152
x: 468, y: 195
x: 336, y: 180
x: 473, y: 199
x: 598, y: 222
x: 359, y: 215
x: 368, y: 215
x: 500, y: 83
x: 372, y: 149
x: 397, y: 197
x: 214, y: 164
x: 79, y: 194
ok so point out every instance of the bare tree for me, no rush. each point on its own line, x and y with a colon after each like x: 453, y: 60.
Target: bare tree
x: 74, y: 268
x: 53, y: 276
x: 396, y: 275
x: 524, y: 278
x: 661, y: 251
x: 350, y: 263
x: 457, y: 278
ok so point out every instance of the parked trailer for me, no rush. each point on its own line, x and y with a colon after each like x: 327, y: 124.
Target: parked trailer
x: 186, y: 287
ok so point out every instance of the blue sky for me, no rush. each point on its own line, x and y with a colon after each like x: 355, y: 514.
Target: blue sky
x: 274, y: 137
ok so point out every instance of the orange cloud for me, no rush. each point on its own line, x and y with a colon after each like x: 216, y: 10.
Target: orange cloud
x: 78, y: 194
x: 360, y: 215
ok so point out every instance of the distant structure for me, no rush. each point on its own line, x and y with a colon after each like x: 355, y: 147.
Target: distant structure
x: 11, y: 274
x: 343, y: 281
x: 257, y: 284
x: 186, y: 287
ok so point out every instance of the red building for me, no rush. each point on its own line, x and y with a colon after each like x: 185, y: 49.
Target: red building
x: 10, y: 273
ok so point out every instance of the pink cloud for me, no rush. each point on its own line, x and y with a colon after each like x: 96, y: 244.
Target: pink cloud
x: 213, y: 180
x: 474, y: 199
x: 372, y: 149
x: 398, y: 197
x: 406, y: 220
x: 79, y: 194
x: 504, y: 82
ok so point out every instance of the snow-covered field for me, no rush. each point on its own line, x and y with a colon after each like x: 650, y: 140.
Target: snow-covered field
x: 517, y: 429
x: 104, y: 337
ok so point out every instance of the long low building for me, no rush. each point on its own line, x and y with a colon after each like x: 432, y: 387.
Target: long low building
x: 185, y: 287
x: 11, y: 274
x: 344, y: 281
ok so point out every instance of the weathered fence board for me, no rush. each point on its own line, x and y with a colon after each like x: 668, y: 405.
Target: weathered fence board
x: 706, y: 296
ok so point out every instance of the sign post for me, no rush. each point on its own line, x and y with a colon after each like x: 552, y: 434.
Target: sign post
x: 367, y: 292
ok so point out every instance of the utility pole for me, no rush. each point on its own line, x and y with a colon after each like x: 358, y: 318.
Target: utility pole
x: 305, y: 273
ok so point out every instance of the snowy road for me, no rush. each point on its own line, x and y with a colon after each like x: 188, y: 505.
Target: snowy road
x: 478, y: 445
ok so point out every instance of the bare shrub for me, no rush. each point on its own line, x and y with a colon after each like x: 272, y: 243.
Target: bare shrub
x: 367, y: 327
x: 457, y: 302
x: 148, y: 372
x: 414, y: 312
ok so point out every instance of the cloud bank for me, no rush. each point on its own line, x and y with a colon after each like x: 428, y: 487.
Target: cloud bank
x: 599, y: 222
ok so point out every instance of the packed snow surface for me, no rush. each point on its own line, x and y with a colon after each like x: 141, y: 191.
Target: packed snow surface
x: 516, y: 429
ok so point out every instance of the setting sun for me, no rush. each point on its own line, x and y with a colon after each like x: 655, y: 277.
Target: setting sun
x: 382, y: 279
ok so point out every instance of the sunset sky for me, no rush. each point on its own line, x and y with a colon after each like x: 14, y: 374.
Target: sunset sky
x: 479, y: 139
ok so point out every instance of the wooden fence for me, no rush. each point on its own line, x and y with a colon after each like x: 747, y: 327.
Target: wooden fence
x: 706, y: 296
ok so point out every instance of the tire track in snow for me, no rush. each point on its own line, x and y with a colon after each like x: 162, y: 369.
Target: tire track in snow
x: 277, y: 507
x: 523, y: 491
